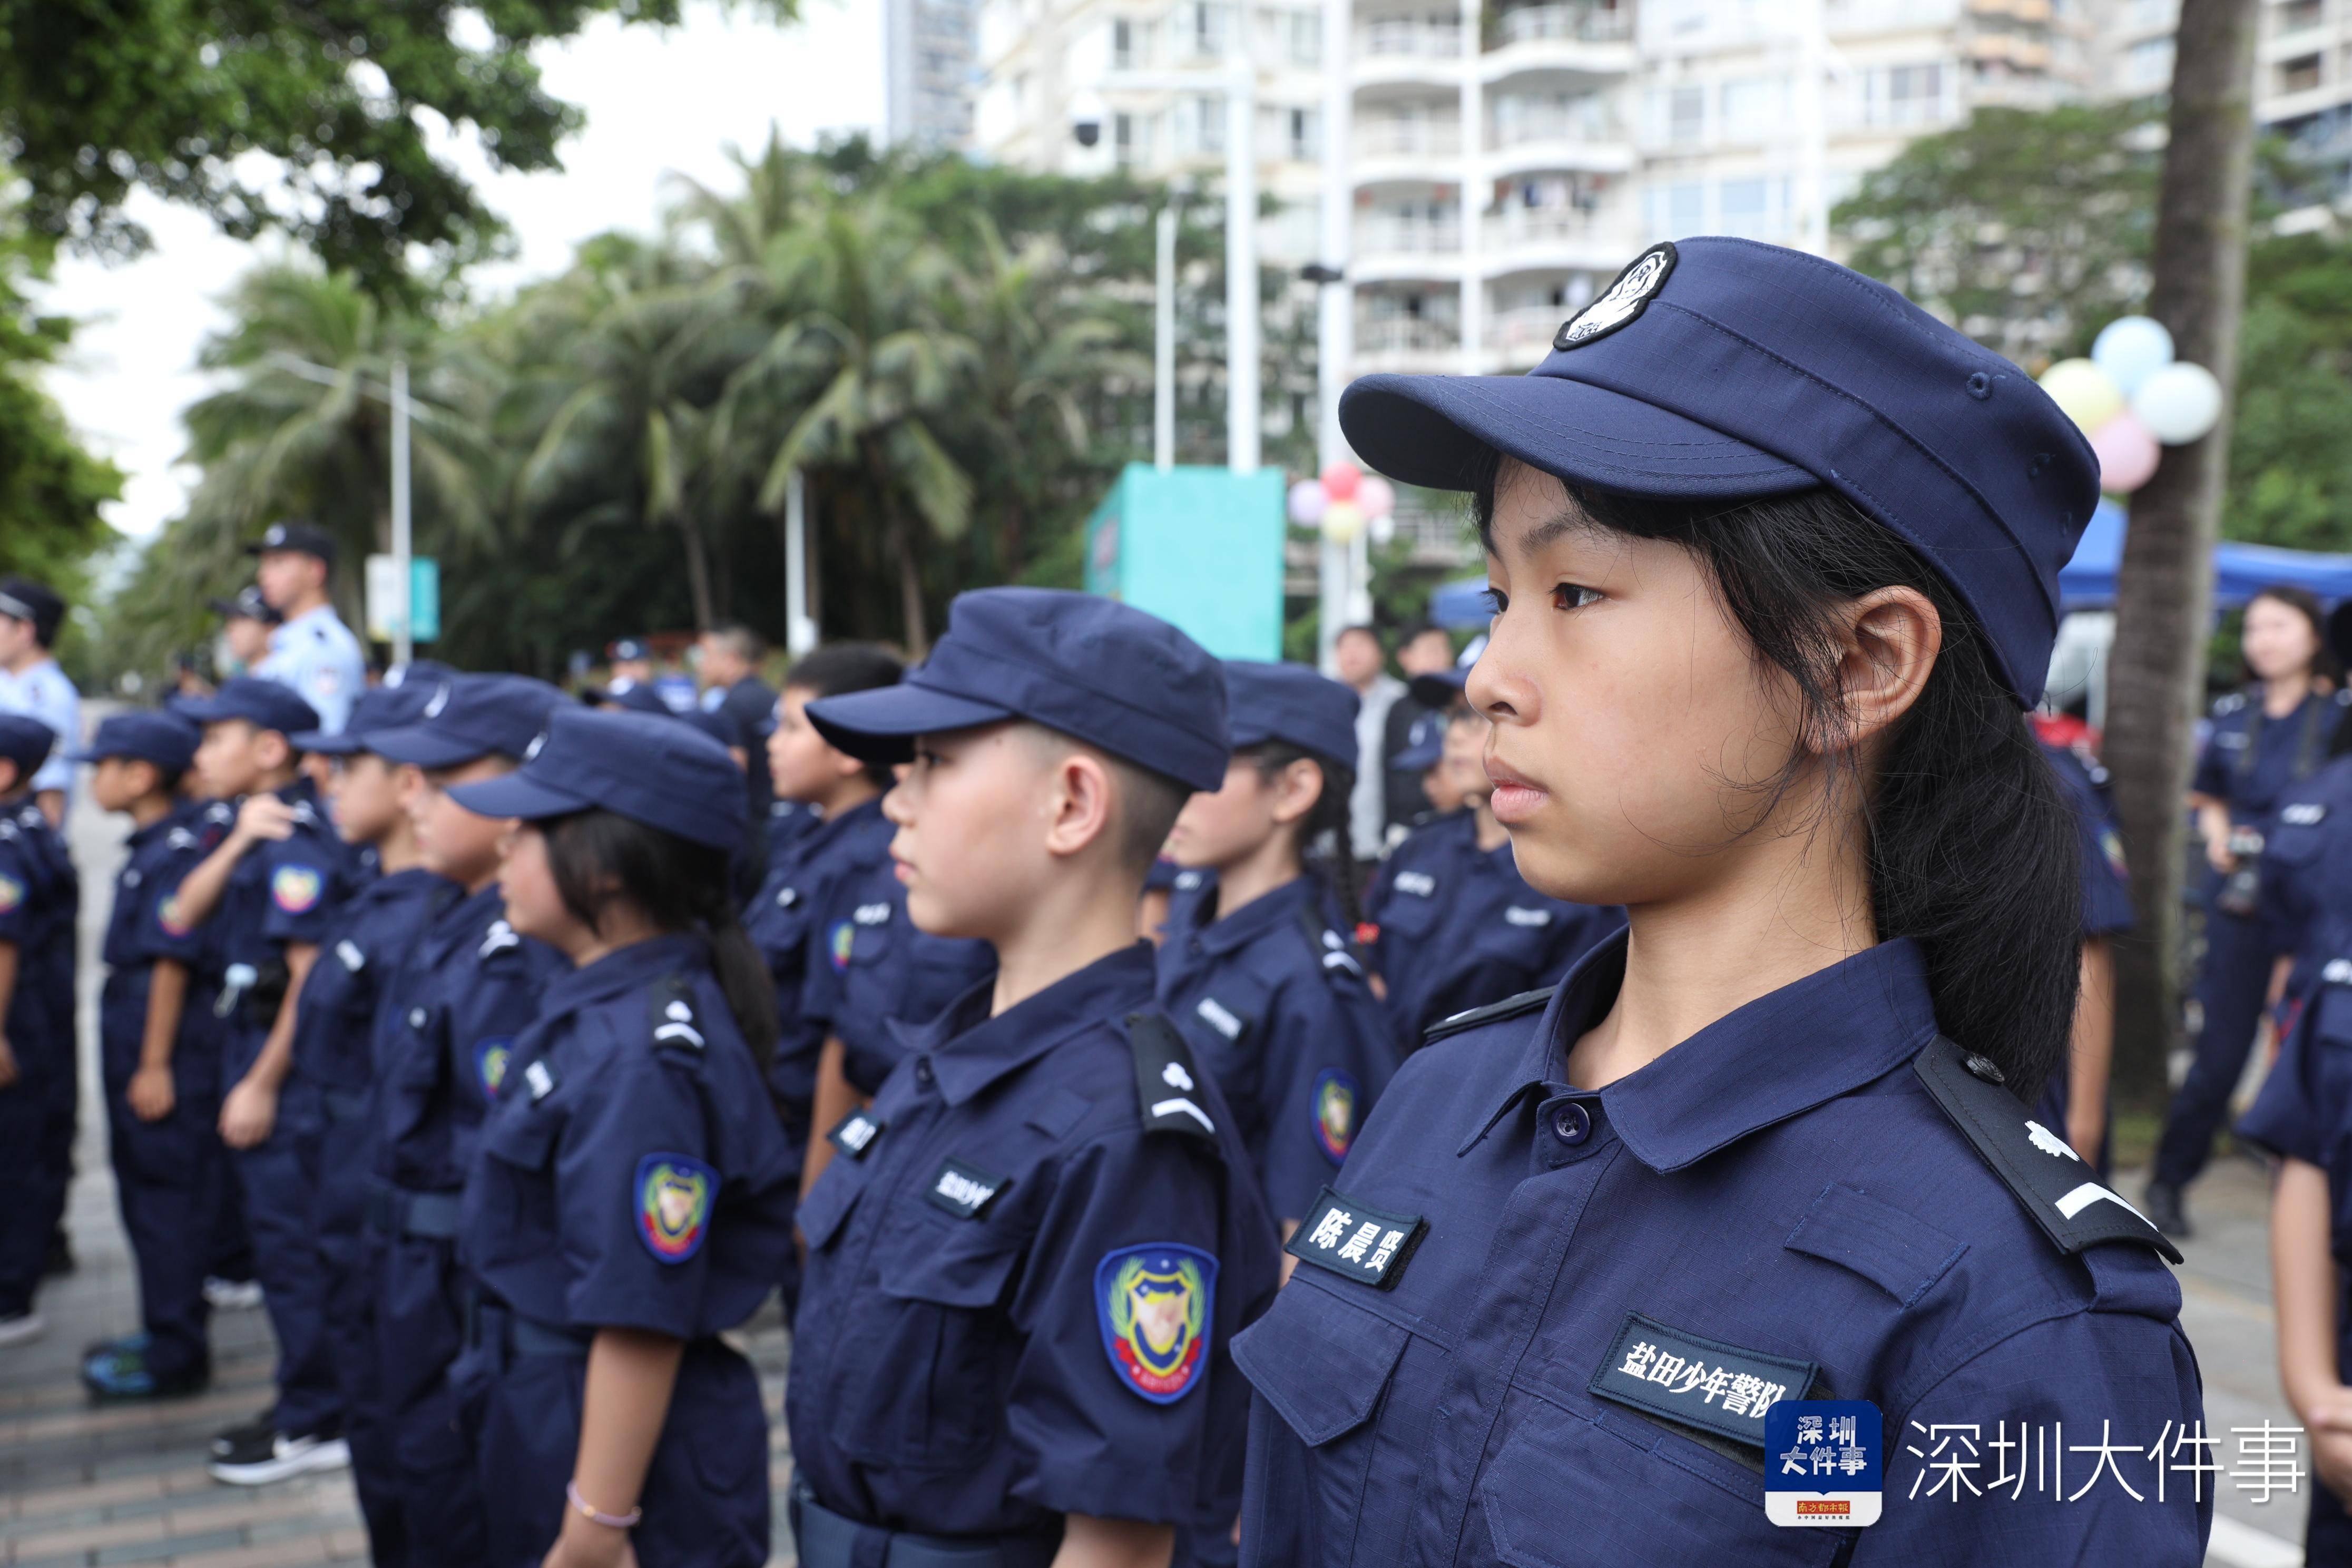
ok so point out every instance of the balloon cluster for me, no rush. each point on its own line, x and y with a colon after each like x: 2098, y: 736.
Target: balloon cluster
x: 2131, y: 398
x: 1343, y: 503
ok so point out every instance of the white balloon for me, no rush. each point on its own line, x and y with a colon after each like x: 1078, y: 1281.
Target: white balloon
x: 2131, y: 349
x: 2178, y: 404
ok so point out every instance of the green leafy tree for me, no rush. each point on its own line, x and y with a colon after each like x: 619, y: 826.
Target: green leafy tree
x: 100, y: 97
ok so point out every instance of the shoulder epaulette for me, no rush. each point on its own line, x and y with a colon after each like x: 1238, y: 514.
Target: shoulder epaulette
x: 499, y: 937
x: 1331, y: 950
x: 1508, y: 1008
x: 670, y: 1008
x: 1166, y: 1078
x: 2072, y: 1207
x: 2230, y: 704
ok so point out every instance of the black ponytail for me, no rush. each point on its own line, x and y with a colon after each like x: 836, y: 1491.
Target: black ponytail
x: 682, y: 887
x: 1973, y: 851
x: 1323, y: 845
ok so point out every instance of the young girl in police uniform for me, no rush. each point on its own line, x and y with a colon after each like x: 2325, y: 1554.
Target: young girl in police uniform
x: 1772, y: 556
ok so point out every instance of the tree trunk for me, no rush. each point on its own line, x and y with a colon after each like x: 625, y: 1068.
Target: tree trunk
x: 899, y: 539
x: 698, y: 574
x: 2164, y: 590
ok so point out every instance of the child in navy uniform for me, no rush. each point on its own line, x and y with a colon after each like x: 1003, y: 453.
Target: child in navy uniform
x: 838, y: 830
x: 35, y: 1043
x: 632, y: 1195
x: 444, y: 1039
x: 330, y: 1100
x: 160, y: 1062
x: 1261, y: 973
x: 1457, y: 927
x: 1027, y: 1256
x: 269, y: 891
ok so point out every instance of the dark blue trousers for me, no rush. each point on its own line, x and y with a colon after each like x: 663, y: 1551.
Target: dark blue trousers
x: 2229, y: 987
x: 412, y: 1437
x: 24, y: 1225
x: 339, y: 1151
x: 167, y: 1181
x: 278, y: 1198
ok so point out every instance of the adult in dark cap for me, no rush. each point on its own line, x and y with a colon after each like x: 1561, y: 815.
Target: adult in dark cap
x: 31, y: 683
x: 247, y: 621
x: 657, y: 1211
x: 1774, y: 559
x: 312, y: 652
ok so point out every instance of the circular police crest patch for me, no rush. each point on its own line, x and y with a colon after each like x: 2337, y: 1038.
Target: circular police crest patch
x: 11, y: 893
x: 296, y: 889
x: 838, y: 943
x: 1154, y: 1303
x: 490, y: 1059
x: 1621, y: 303
x: 168, y: 916
x: 1335, y: 1112
x: 2111, y: 844
x: 674, y: 1198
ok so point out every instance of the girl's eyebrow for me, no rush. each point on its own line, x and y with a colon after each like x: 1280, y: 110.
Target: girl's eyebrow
x: 1561, y: 524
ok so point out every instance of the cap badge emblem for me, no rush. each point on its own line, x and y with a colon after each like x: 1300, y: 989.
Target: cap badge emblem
x: 1623, y: 302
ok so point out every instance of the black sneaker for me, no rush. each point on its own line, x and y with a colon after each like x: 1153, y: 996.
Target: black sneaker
x: 259, y: 1430
x: 2164, y: 1212
x: 278, y: 1457
x: 120, y: 1374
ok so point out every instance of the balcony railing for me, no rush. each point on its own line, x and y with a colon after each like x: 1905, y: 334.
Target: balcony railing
x: 1523, y: 334
x: 1399, y: 37
x: 1380, y: 236
x: 1549, y: 225
x: 1597, y: 123
x: 1579, y: 23
x: 1406, y: 335
x: 1407, y: 138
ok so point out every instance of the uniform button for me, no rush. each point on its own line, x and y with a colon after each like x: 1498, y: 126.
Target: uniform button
x: 416, y: 1018
x: 1984, y: 1067
x: 1571, y: 1124
x: 922, y: 1069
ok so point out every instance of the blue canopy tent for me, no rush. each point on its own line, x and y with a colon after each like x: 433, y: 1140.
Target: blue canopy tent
x: 2088, y: 581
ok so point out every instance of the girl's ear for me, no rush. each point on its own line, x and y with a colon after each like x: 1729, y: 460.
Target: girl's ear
x: 1295, y: 791
x: 1892, y: 637
x: 1082, y: 808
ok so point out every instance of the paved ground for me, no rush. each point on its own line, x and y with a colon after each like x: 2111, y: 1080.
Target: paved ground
x: 86, y: 1487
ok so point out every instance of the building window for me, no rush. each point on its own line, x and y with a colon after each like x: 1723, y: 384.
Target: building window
x: 1307, y: 40
x: 2298, y: 16
x: 2298, y: 75
x: 1304, y: 144
x: 1122, y: 44
x: 1686, y: 114
x: 2148, y: 67
x: 1903, y: 95
x: 1754, y: 110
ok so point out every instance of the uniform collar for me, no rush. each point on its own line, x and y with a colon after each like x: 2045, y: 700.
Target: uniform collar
x: 1253, y: 920
x: 848, y: 823
x: 622, y: 970
x: 1778, y: 1057
x: 967, y: 1059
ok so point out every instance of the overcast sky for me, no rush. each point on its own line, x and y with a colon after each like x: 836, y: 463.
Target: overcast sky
x: 656, y: 102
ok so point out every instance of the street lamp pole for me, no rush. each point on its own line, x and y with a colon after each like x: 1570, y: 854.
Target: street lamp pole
x: 1163, y: 345
x: 1335, y: 311
x: 394, y: 397
x: 1242, y: 399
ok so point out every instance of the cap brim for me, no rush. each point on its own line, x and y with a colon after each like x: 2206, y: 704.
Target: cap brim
x: 213, y: 710
x: 426, y: 748
x: 880, y: 725
x: 326, y: 745
x: 517, y: 795
x: 1436, y: 430
x: 1418, y: 759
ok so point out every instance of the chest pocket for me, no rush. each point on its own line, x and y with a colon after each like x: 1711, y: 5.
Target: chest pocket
x: 2295, y: 845
x: 1325, y: 1366
x: 516, y: 1186
x: 1409, y: 914
x: 937, y: 1394
x: 1565, y: 1490
x: 871, y: 945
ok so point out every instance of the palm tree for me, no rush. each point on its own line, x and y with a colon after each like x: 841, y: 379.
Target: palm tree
x: 303, y: 424
x: 866, y: 359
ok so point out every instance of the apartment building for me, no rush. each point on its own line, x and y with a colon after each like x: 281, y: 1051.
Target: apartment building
x: 929, y: 71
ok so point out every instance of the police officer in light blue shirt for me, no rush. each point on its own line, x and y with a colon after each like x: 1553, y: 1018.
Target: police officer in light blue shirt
x: 32, y: 684
x: 1773, y: 555
x: 312, y: 652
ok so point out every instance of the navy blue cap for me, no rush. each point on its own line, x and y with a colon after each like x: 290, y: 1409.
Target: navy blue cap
x: 470, y: 716
x: 658, y: 771
x: 250, y: 605
x: 1724, y: 370
x: 1092, y: 668
x: 305, y: 537
x: 165, y: 739
x: 634, y: 698
x: 624, y: 649
x: 258, y: 702
x: 376, y: 708
x: 1421, y: 758
x: 1439, y: 690
x: 1291, y: 702
x: 26, y: 741
x: 423, y: 672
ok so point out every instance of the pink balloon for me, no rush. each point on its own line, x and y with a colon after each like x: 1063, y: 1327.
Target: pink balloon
x: 2127, y: 454
x: 1376, y: 496
x: 1306, y: 503
x: 1340, y: 479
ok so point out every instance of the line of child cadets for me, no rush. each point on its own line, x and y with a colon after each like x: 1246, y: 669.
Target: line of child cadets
x: 452, y: 1018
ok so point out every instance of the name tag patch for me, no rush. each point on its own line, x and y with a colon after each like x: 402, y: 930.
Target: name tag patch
x: 1699, y: 1383
x: 1419, y: 884
x: 1519, y: 915
x: 1220, y: 1018
x: 1356, y: 1241
x: 855, y: 1134
x: 354, y: 959
x: 963, y: 1190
